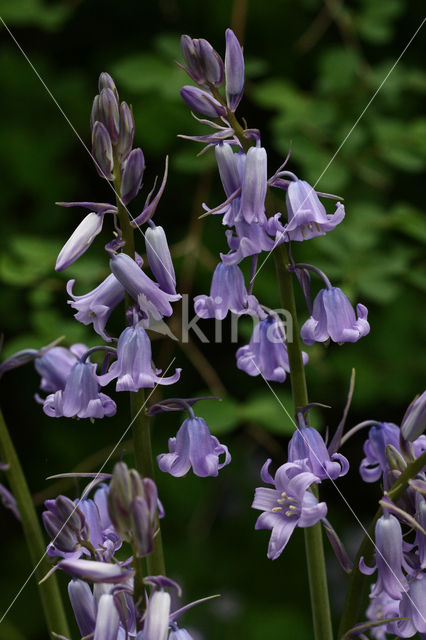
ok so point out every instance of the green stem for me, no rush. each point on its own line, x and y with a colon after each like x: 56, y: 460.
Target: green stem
x: 357, y: 580
x: 53, y: 608
x: 314, y: 548
x: 140, y: 421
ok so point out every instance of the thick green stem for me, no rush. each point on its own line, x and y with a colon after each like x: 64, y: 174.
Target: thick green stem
x: 140, y: 421
x: 357, y: 580
x: 49, y: 591
x: 314, y: 548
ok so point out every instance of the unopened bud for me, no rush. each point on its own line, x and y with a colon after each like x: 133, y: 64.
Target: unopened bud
x: 142, y: 528
x: 159, y: 258
x: 204, y: 64
x: 202, y: 102
x: 394, y: 458
x: 234, y: 70
x: 94, y: 116
x: 414, y: 421
x: 109, y: 113
x: 127, y: 131
x: 131, y: 178
x: 102, y: 151
x: 106, y: 82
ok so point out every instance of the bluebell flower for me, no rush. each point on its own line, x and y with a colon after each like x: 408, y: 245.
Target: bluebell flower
x: 81, y: 397
x: 84, y: 606
x: 133, y: 368
x: 288, y: 505
x: 380, y: 608
x: 266, y: 354
x: 142, y: 289
x: 247, y: 240
x: 96, y: 306
x: 107, y: 619
x: 202, y: 102
x: 389, y: 558
x: 412, y: 607
x: 204, y: 64
x: 80, y: 240
x: 333, y: 317
x: 375, y: 464
x: 227, y: 293
x: 159, y: 258
x: 195, y: 447
x: 307, y: 444
x: 55, y: 365
x: 131, y: 175
x: 307, y: 217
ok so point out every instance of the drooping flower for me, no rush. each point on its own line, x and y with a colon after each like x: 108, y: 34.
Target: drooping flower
x: 96, y: 306
x: 307, y: 217
x: 142, y: 289
x: 289, y: 505
x: 194, y: 446
x: 250, y: 239
x: 202, y: 102
x: 389, y: 558
x: 80, y: 240
x: 375, y: 464
x: 107, y: 619
x: 84, y: 605
x: 227, y: 293
x: 307, y: 444
x: 333, y: 317
x: 381, y: 607
x: 266, y: 354
x: 81, y: 397
x: 159, y: 258
x: 133, y: 368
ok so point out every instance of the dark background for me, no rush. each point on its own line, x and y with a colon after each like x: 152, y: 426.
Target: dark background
x: 311, y: 71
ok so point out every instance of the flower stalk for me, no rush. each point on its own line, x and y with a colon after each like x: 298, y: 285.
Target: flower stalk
x: 49, y: 590
x: 313, y: 535
x: 140, y: 420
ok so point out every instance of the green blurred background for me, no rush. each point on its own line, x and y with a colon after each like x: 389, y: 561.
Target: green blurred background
x: 311, y: 71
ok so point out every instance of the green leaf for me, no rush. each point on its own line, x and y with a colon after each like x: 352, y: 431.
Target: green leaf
x: 221, y: 416
x: 266, y: 410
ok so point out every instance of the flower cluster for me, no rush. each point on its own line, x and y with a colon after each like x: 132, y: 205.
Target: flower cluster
x: 87, y: 533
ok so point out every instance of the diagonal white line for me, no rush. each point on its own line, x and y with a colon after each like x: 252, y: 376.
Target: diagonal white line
x: 117, y: 195
x: 357, y: 121
x: 341, y: 494
x: 84, y: 493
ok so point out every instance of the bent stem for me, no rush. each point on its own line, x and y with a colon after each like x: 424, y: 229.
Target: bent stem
x: 313, y: 535
x: 51, y: 600
x: 357, y: 580
x: 140, y: 421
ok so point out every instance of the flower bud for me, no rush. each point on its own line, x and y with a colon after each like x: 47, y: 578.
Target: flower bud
x: 127, y: 131
x: 204, y: 64
x: 394, y: 458
x: 79, y: 241
x: 102, y: 151
x: 414, y: 421
x: 106, y: 82
x: 109, y: 113
x: 142, y: 528
x: 95, y: 116
x: 159, y: 258
x: 202, y: 102
x: 234, y: 70
x: 83, y: 605
x: 132, y: 173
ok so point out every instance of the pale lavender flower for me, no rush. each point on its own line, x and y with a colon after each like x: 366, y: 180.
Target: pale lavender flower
x: 159, y: 258
x: 195, y: 447
x: 307, y: 444
x: 204, y: 64
x: 414, y: 422
x: 131, y: 175
x: 142, y: 289
x: 227, y: 293
x: 80, y: 240
x: 96, y: 306
x: 375, y: 464
x: 289, y: 505
x: 266, y: 354
x: 412, y: 607
x: 307, y: 217
x: 202, y: 102
x: 81, y: 397
x: 380, y: 608
x: 55, y: 365
x: 254, y: 186
x: 94, y: 571
x: 66, y: 525
x: 333, y: 317
x: 84, y: 605
x: 234, y: 70
x: 156, y: 622
x: 389, y: 558
x: 107, y: 619
x: 133, y: 368
x: 248, y: 240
